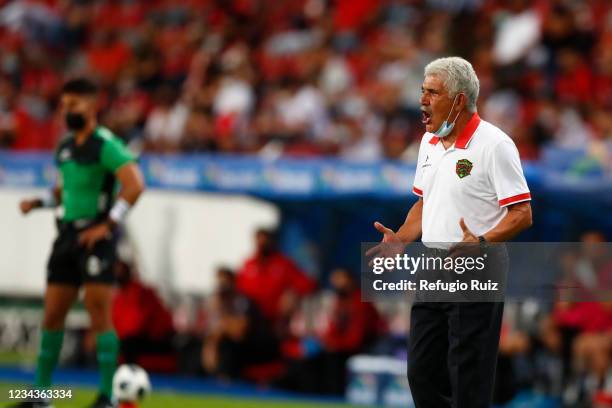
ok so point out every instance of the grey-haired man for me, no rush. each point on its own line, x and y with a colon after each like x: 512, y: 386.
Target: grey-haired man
x: 471, y: 189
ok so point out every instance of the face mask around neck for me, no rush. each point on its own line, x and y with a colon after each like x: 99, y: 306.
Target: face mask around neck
x: 446, y: 128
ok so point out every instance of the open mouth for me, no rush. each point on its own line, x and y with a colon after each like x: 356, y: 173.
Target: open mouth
x: 426, y: 117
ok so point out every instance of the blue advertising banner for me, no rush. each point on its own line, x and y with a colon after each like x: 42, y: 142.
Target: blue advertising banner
x: 331, y: 204
x: 287, y: 178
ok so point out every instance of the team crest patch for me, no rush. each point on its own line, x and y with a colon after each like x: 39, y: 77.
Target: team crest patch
x: 94, y: 266
x: 64, y: 154
x: 464, y: 168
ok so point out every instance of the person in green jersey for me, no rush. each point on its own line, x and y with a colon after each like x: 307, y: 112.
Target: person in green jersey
x: 91, y: 161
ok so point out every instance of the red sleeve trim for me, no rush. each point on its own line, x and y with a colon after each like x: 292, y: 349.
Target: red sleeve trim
x: 417, y: 191
x: 515, y: 199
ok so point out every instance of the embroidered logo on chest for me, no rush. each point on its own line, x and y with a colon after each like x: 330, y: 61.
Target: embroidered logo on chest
x: 463, y: 168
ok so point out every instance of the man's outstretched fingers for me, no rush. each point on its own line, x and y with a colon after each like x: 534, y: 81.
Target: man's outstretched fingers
x: 382, y: 228
x: 464, y: 227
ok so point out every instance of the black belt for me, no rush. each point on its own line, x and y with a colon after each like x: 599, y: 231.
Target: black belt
x: 77, y: 225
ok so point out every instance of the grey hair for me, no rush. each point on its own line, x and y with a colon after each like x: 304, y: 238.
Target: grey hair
x: 458, y: 76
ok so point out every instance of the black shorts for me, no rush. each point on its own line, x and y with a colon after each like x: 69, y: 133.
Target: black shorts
x: 74, y: 264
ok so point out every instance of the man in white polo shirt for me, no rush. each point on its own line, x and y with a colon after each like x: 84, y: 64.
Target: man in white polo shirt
x: 471, y: 189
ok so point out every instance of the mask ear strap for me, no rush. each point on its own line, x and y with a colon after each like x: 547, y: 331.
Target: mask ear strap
x: 457, y: 115
x: 450, y: 111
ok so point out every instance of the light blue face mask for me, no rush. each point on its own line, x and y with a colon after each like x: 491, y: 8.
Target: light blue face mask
x: 445, y: 129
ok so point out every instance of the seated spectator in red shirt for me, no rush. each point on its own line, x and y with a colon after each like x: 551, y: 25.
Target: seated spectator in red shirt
x: 142, y: 322
x: 352, y: 324
x: 269, y: 275
x: 580, y: 326
x: 107, y: 54
x: 33, y: 124
x: 349, y: 326
x: 238, y: 335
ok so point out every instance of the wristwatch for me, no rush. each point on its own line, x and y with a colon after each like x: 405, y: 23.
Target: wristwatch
x: 483, y: 243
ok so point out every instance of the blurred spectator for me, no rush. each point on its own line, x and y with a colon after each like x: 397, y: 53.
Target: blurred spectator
x: 514, y: 342
x: 310, y: 78
x: 237, y: 335
x: 8, y: 119
x: 199, y: 133
x: 269, y: 276
x: 142, y: 322
x: 348, y: 326
x: 517, y: 32
x: 358, y: 131
x: 351, y: 324
x: 106, y: 55
x: 166, y: 122
x: 580, y: 327
x: 395, y: 142
x: 127, y: 111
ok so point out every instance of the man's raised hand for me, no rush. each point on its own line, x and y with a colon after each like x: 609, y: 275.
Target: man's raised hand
x: 468, y: 236
x: 390, y: 244
x: 469, y: 245
x: 25, y: 206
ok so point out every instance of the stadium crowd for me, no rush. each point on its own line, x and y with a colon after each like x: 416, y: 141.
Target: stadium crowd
x: 270, y: 323
x: 305, y: 77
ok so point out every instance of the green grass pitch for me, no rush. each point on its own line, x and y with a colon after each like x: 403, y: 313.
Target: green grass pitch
x: 82, y: 397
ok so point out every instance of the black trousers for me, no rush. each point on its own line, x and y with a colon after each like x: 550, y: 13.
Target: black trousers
x: 452, y: 353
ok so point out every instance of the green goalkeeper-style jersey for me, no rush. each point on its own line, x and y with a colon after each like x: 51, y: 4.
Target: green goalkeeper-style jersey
x: 88, y: 173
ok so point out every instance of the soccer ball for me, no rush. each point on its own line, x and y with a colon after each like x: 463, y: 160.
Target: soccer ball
x: 130, y: 383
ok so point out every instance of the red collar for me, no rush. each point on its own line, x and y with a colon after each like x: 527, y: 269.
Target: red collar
x: 466, y: 134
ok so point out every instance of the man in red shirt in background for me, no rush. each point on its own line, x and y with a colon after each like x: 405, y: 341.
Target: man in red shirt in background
x: 238, y: 337
x: 317, y: 362
x: 143, y: 323
x: 351, y: 326
x: 268, y: 276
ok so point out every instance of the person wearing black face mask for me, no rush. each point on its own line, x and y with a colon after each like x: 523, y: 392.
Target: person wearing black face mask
x: 75, y: 121
x: 142, y: 322
x: 269, y: 276
x: 342, y: 292
x: 351, y: 326
x: 238, y: 335
x: 91, y: 161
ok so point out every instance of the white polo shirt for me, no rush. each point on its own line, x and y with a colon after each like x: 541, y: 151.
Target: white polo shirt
x: 476, y: 178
